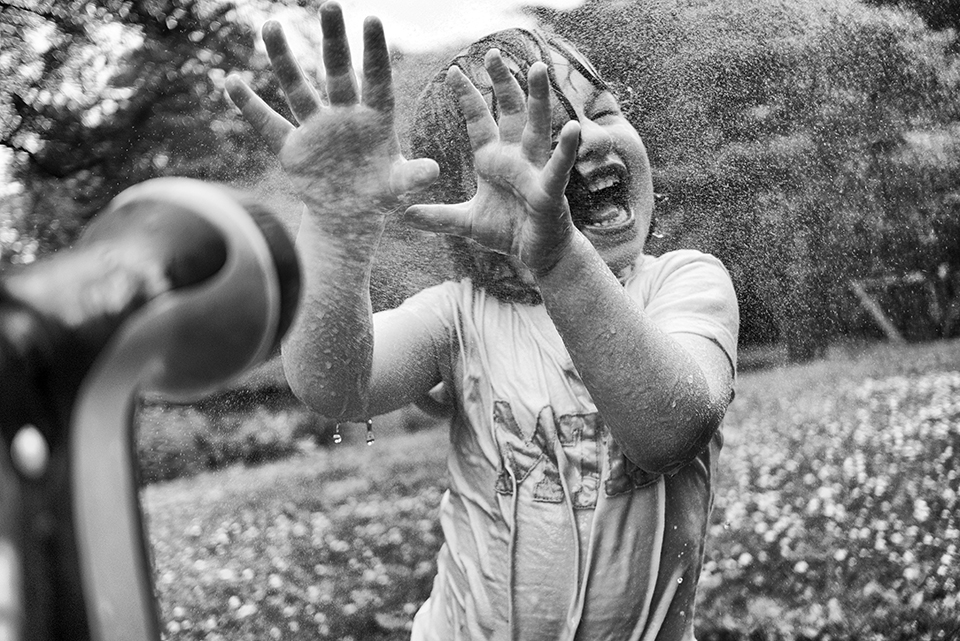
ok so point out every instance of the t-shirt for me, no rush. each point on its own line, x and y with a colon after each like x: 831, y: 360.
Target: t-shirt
x: 551, y: 533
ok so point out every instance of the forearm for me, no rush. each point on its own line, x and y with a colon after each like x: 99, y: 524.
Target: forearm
x: 327, y: 355
x: 653, y: 395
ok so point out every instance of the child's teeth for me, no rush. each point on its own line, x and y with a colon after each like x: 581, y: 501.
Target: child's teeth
x: 603, y: 183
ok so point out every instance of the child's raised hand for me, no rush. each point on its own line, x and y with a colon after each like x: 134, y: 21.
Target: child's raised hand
x: 519, y: 207
x: 344, y: 159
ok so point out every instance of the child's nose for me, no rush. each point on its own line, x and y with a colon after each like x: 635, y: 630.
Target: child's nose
x: 594, y: 139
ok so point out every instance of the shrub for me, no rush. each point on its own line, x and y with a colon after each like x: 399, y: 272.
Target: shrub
x: 179, y: 441
x: 167, y: 442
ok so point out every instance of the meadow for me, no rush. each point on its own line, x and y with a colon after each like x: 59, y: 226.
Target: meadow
x: 835, y: 518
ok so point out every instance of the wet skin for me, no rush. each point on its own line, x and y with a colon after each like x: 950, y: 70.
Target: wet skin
x: 610, y: 191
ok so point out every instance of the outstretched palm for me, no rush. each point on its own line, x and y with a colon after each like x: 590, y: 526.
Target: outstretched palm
x: 344, y: 160
x: 519, y: 207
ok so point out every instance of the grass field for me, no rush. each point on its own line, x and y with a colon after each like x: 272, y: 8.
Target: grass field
x: 835, y: 518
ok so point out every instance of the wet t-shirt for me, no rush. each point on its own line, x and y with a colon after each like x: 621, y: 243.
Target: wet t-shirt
x: 550, y: 532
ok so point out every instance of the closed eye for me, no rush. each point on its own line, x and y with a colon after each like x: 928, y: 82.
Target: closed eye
x: 607, y: 113
x: 605, y: 106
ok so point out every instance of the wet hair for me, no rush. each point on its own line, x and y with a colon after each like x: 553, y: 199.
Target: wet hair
x: 440, y: 132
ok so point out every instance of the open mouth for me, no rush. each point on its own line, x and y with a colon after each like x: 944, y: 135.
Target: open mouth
x: 600, y: 202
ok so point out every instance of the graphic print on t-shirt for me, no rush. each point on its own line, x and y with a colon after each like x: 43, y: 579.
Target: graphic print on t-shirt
x: 534, y: 456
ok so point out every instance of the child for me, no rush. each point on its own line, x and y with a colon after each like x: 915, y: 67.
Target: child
x: 588, y: 380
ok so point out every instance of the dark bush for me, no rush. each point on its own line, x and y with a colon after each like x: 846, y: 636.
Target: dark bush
x: 167, y: 443
x: 180, y: 441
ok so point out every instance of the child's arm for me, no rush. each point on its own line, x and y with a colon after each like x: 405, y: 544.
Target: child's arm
x: 662, y: 396
x: 344, y: 162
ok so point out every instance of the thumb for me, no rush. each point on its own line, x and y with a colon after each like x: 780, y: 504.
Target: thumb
x: 413, y: 175
x: 442, y: 219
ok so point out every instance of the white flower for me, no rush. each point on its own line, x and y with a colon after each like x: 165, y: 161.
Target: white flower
x: 921, y: 511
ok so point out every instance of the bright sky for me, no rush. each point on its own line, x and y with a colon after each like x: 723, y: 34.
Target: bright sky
x: 419, y: 25
x: 416, y: 25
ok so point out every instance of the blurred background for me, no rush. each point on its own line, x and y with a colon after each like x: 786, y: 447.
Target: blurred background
x: 812, y: 145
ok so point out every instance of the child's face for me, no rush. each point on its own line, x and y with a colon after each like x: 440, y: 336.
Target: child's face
x: 610, y: 191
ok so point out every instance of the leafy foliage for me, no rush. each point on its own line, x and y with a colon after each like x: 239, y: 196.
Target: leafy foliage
x: 103, y: 94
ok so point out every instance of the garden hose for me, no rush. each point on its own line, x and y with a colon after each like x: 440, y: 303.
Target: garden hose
x: 176, y: 288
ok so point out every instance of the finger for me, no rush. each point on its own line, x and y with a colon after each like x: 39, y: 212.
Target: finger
x: 481, y: 127
x: 513, y: 112
x: 556, y: 172
x: 341, y: 82
x: 272, y: 126
x: 537, y: 135
x: 301, y: 96
x: 377, y: 78
x: 413, y: 175
x: 442, y: 219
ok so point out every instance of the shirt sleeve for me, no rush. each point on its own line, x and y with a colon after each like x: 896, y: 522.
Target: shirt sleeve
x: 434, y: 307
x: 433, y: 311
x: 689, y: 292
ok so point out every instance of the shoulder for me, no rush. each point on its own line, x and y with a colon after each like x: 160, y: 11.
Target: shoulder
x: 683, y: 270
x: 651, y: 267
x: 688, y: 291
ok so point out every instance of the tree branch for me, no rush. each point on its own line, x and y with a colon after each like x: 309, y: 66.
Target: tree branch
x: 62, y: 19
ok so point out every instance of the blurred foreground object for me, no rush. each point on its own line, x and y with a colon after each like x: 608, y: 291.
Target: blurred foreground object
x: 176, y: 288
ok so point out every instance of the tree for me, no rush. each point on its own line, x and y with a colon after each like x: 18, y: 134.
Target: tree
x: 102, y: 94
x: 805, y: 144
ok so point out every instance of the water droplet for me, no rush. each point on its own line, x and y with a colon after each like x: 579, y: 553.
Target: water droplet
x: 680, y: 580
x: 726, y: 525
x: 30, y: 452
x: 370, y: 438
